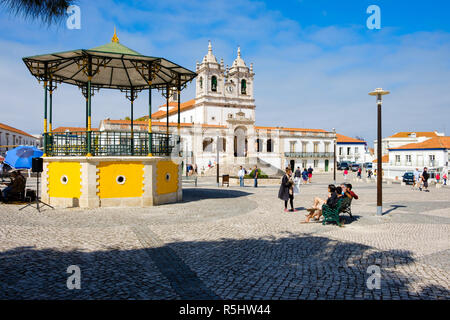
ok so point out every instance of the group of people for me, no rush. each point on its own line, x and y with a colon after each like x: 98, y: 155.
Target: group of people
x: 334, y: 194
x: 254, y: 173
x: 290, y: 186
x: 305, y: 175
x: 421, y: 179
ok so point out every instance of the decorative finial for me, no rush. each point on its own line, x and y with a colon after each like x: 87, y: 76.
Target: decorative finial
x: 115, y: 38
x: 251, y: 67
x: 209, y: 46
x: 239, y: 51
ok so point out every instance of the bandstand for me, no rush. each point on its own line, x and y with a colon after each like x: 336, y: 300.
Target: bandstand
x: 91, y: 168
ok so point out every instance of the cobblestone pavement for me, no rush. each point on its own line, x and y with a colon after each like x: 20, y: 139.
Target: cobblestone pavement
x: 231, y: 243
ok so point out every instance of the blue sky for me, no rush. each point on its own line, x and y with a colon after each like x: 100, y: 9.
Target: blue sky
x: 315, y: 60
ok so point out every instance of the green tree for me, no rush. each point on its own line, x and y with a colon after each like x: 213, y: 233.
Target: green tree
x: 48, y: 11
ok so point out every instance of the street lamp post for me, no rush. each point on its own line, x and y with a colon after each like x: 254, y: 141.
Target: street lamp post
x: 378, y: 92
x: 334, y: 156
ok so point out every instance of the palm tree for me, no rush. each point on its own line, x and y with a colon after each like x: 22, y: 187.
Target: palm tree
x: 48, y: 11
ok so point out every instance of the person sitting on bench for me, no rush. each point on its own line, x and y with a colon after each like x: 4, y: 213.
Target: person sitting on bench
x: 316, y: 211
x: 16, y: 188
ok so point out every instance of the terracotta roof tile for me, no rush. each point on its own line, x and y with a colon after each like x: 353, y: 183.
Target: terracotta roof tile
x: 72, y: 129
x: 384, y: 158
x: 344, y: 139
x: 433, y: 143
x: 183, y: 107
x: 12, y: 129
x: 418, y: 134
x: 289, y: 129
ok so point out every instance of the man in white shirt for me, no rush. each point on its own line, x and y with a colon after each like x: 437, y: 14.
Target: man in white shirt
x: 241, y: 175
x: 416, y: 178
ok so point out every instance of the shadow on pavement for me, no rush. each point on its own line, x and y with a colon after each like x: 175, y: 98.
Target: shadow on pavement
x: 393, y: 207
x: 292, y: 267
x: 196, y: 194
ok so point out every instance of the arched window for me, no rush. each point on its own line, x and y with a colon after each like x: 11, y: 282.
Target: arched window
x: 207, y: 145
x: 214, y: 83
x: 243, y: 86
x: 269, y: 145
x: 201, y: 82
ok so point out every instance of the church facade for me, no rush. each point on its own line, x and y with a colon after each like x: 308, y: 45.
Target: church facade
x: 220, y: 121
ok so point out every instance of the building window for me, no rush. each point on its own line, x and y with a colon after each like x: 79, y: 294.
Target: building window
x: 397, y: 158
x: 213, y: 118
x: 340, y: 151
x: 214, y: 83
x: 207, y: 145
x: 292, y: 146
x: 316, y: 163
x: 269, y: 145
x: 432, y: 159
x: 304, y: 146
x: 316, y: 147
x: 327, y: 147
x: 349, y: 151
x: 201, y: 82
x: 356, y: 150
x: 192, y: 119
x: 244, y: 86
x: 408, y: 158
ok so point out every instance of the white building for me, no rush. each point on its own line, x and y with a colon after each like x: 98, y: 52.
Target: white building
x: 402, y: 138
x: 352, y: 150
x: 11, y: 137
x: 222, y: 115
x: 432, y: 153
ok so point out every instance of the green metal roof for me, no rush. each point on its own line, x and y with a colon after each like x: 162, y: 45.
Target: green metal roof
x: 115, y: 47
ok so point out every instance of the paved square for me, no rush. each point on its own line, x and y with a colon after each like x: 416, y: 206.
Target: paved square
x: 231, y: 243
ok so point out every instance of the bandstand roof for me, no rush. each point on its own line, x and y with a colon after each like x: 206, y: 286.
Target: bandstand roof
x: 112, y: 66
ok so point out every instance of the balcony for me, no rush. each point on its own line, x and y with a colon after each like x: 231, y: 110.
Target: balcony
x: 309, y: 154
x: 107, y: 143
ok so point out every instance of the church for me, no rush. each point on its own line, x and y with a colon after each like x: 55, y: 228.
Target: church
x: 220, y: 122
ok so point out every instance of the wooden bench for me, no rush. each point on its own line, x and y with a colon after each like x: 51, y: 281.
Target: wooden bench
x: 189, y: 179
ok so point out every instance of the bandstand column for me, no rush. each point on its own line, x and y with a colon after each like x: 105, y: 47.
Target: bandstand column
x: 51, y: 106
x: 150, y: 142
x: 167, y: 119
x: 178, y: 123
x: 45, y: 118
x: 132, y: 121
x: 89, y: 129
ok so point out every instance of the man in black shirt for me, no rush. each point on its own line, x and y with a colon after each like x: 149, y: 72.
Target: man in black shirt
x: 425, y: 176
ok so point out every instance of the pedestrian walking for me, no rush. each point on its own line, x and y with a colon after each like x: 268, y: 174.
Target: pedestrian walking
x: 359, y: 172
x: 417, y: 180
x: 241, y: 175
x: 438, y: 177
x: 310, y: 171
x: 286, y: 192
x: 297, y: 180
x: 369, y: 174
x: 425, y: 176
x: 256, y: 176
x: 305, y: 176
x: 444, y: 177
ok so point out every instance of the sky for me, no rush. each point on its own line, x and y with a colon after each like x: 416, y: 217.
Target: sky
x: 314, y: 60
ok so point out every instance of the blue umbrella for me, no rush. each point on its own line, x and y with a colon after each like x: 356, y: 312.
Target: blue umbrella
x: 21, y: 157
